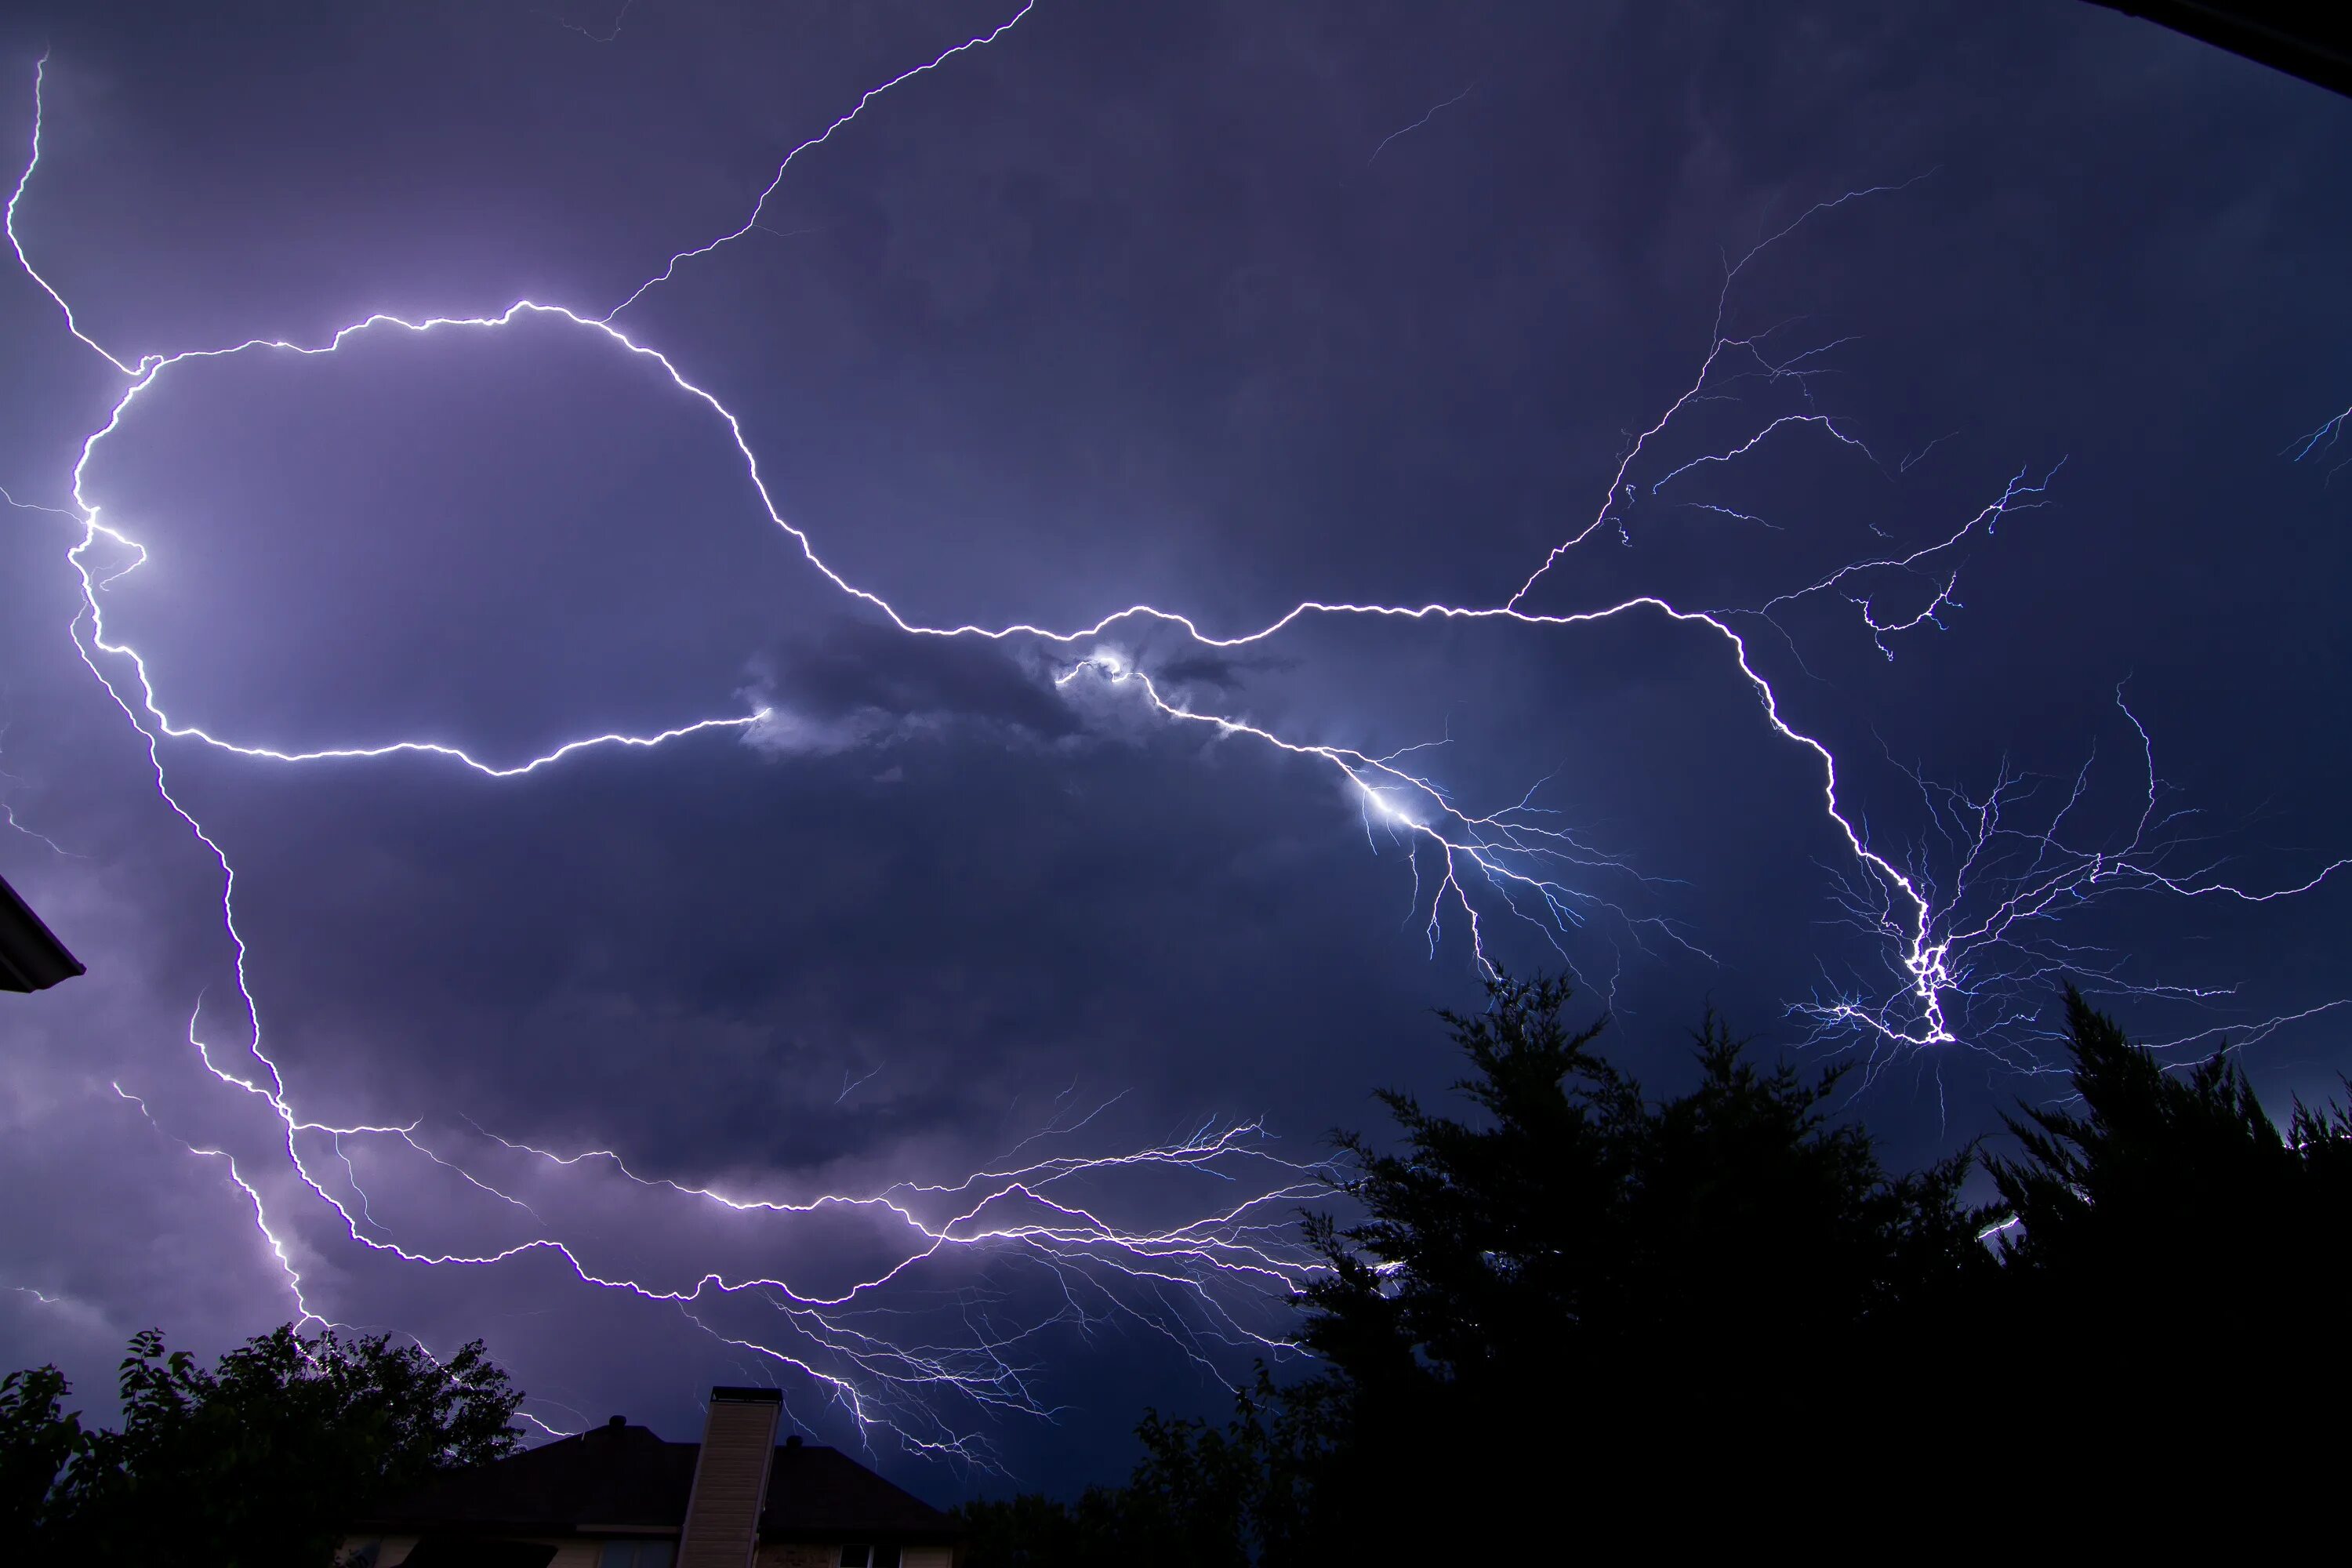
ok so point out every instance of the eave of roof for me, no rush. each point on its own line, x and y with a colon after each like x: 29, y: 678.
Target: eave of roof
x: 31, y: 957
x: 2302, y: 39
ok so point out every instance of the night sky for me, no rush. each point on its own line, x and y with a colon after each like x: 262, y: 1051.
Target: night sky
x: 1217, y: 307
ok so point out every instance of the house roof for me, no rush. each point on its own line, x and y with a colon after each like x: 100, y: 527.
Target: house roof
x: 823, y: 1491
x: 31, y: 957
x: 624, y: 1478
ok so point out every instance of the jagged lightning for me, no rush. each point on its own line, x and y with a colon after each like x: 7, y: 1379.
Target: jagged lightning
x: 1241, y: 1248
x: 1959, y: 949
x: 752, y: 221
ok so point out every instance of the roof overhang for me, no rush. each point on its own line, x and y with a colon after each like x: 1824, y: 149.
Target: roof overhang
x: 31, y: 956
x: 2309, y: 39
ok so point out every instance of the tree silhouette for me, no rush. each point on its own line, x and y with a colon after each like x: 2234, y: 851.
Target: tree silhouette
x: 38, y: 1436
x: 1576, y: 1291
x: 1587, y: 1280
x: 2157, y: 1212
x: 261, y: 1462
x: 1713, y: 1312
x: 1580, y: 1219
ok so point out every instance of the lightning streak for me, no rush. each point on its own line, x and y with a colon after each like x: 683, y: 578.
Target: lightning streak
x: 2322, y: 440
x: 1981, y: 940
x: 1218, y: 1266
x: 606, y: 36
x: 1960, y: 950
x: 40, y: 76
x: 820, y: 139
x: 1417, y: 124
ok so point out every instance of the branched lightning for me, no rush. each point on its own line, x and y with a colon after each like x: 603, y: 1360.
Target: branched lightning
x: 1974, y: 954
x: 1961, y: 950
x: 1206, y: 1271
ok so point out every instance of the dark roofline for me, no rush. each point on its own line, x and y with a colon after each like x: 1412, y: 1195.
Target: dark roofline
x: 31, y: 957
x: 2292, y: 35
x: 948, y: 1534
x: 735, y: 1395
x: 921, y: 1524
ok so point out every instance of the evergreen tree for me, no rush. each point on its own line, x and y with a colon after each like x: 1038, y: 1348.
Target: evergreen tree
x: 1588, y: 1280
x: 2156, y: 1211
x: 1575, y: 1288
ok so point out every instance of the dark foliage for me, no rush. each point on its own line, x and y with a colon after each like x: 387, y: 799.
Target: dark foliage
x: 1684, y: 1314
x: 1587, y: 1280
x: 261, y: 1462
x: 1692, y: 1315
x: 1578, y: 1221
x: 2158, y: 1210
x: 36, y: 1437
x: 1202, y: 1495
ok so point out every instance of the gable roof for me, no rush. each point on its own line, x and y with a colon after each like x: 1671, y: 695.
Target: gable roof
x: 624, y: 1479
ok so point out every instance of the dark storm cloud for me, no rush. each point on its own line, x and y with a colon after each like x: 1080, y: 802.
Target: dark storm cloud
x: 1225, y: 671
x: 866, y: 684
x: 1111, y: 310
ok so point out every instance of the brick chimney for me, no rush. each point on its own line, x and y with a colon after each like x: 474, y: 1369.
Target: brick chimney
x: 730, y: 1479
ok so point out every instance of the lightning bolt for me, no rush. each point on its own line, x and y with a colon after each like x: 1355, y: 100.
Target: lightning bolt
x: 1960, y: 951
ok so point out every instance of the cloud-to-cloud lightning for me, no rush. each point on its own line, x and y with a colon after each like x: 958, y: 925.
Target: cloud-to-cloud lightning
x: 1959, y: 948
x: 1205, y: 1275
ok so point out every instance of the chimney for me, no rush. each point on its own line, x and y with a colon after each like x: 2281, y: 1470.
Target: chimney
x: 730, y: 1479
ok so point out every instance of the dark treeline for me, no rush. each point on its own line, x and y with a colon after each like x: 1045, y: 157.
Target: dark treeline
x: 1575, y: 1314
x: 256, y: 1462
x: 1717, y: 1313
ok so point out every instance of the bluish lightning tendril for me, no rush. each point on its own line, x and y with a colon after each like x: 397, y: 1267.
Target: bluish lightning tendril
x: 2322, y: 439
x: 1960, y: 950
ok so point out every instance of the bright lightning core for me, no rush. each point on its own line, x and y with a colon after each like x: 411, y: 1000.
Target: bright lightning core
x: 1964, y: 926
